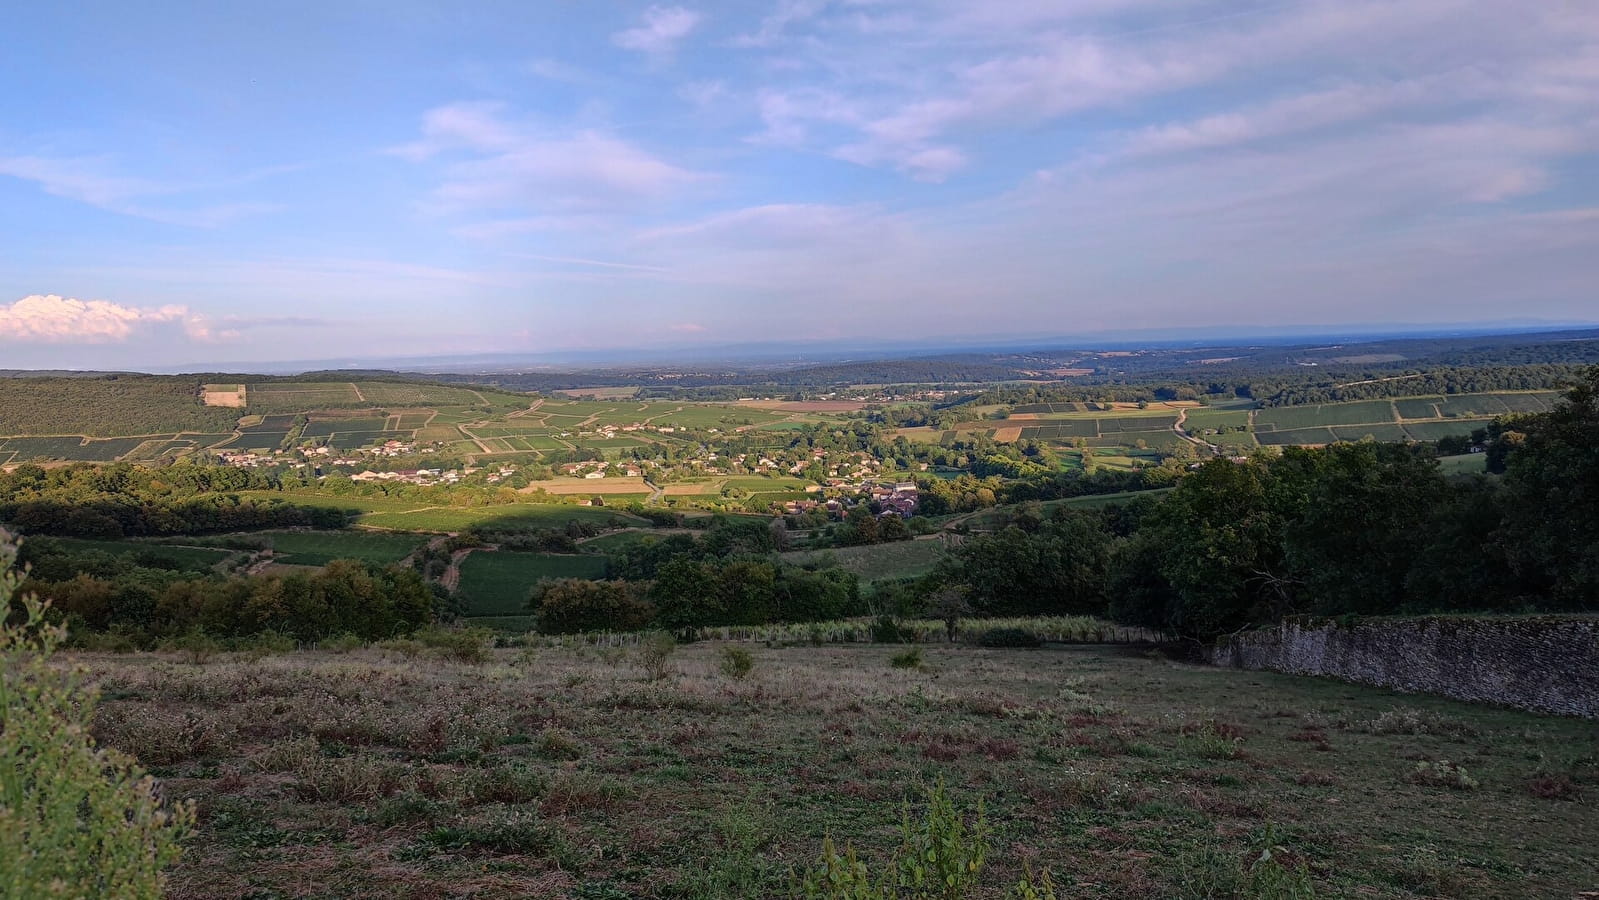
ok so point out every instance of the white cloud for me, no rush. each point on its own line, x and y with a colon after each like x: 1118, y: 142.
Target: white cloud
x: 50, y: 318
x: 663, y: 28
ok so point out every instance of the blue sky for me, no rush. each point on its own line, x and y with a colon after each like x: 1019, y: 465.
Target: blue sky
x: 204, y: 182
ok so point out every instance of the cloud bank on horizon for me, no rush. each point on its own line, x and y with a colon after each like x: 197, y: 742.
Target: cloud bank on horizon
x: 238, y: 184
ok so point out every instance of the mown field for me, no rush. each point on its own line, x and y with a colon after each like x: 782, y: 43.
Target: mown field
x: 318, y: 548
x: 408, y: 515
x: 550, y: 773
x: 497, y: 583
x: 877, y: 562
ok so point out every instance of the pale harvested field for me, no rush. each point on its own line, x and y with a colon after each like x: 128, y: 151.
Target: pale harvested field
x: 1006, y: 435
x: 822, y: 406
x: 699, y: 488
x: 601, y: 393
x: 231, y: 396
x: 589, y: 486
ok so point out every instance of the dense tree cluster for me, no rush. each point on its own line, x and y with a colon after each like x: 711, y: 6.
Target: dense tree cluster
x: 148, y: 598
x: 1348, y: 529
x: 109, y: 406
x: 727, y: 576
x: 125, y: 500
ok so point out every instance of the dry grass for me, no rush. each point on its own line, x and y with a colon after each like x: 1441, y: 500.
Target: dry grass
x: 563, y: 772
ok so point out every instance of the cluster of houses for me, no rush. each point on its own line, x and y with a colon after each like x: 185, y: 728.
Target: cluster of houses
x: 599, y: 468
x: 413, y: 476
x: 892, y: 498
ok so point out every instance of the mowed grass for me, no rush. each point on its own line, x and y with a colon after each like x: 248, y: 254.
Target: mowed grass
x: 554, y: 773
x: 318, y: 548
x: 876, y: 562
x: 497, y: 583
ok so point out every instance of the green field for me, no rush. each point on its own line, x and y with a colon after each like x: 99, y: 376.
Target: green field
x: 876, y: 562
x: 1464, y: 464
x: 175, y: 556
x: 318, y: 548
x: 496, y: 583
x: 70, y: 448
x: 516, y: 515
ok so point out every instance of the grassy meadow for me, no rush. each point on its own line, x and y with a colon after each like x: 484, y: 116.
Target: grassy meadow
x: 565, y: 773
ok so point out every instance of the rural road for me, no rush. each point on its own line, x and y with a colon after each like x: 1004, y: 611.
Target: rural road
x: 1177, y: 426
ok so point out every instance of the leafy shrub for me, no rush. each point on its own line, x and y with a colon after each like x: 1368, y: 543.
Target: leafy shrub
x: 907, y: 659
x: 73, y: 816
x: 736, y: 662
x: 655, y: 654
x: 1009, y: 637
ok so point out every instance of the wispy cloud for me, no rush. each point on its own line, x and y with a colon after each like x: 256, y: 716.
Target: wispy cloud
x: 89, y: 180
x: 496, y: 164
x: 661, y: 31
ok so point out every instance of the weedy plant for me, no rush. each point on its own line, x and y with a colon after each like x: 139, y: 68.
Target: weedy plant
x: 655, y: 655
x: 76, y: 820
x: 940, y: 857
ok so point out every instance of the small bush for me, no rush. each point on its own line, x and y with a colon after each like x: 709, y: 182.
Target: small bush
x: 735, y: 662
x: 465, y: 645
x: 1212, y: 740
x: 1442, y: 773
x: 1009, y: 637
x: 556, y: 744
x: 655, y: 654
x: 1553, y: 787
x: 268, y: 643
x: 195, y: 647
x: 907, y: 659
x: 341, y: 643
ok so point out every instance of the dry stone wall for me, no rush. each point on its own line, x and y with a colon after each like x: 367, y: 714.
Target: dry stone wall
x: 1542, y: 663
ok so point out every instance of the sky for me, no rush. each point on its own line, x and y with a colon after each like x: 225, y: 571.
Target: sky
x: 228, y: 182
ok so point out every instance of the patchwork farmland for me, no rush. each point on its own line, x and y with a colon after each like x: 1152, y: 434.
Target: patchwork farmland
x: 1242, y: 425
